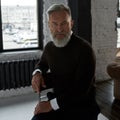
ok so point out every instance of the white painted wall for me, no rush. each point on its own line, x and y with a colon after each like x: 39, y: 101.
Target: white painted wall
x: 104, y: 35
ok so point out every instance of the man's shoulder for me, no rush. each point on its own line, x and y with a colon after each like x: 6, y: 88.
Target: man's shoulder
x: 49, y: 43
x: 80, y: 40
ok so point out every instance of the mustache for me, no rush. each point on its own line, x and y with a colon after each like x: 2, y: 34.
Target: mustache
x: 60, y: 33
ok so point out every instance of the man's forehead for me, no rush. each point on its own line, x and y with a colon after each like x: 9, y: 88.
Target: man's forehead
x: 59, y: 15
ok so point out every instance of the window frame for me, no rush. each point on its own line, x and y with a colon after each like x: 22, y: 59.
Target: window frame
x: 40, y: 30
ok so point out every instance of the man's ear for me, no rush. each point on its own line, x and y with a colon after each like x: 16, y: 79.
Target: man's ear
x: 72, y: 23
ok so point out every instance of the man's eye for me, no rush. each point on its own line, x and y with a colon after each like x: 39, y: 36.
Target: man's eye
x: 54, y: 24
x: 64, y: 23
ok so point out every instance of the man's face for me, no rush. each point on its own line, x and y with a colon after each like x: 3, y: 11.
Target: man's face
x: 60, y: 25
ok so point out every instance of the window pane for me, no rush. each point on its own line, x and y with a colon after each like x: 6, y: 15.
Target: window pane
x: 19, y: 24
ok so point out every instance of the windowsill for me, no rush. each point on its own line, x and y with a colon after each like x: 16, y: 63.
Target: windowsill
x: 15, y: 55
x: 20, y: 51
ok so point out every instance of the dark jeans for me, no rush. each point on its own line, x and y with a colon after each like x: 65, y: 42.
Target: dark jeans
x: 58, y: 115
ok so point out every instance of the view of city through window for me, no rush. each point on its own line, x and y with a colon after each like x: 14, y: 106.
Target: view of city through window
x: 19, y: 24
x: 118, y: 26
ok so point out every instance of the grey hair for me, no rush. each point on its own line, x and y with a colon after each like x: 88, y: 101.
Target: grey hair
x: 58, y: 7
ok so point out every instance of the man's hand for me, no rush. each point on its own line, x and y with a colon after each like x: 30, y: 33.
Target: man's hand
x: 42, y: 107
x: 38, y: 82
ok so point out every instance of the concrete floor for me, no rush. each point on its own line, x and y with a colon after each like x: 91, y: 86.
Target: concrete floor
x: 20, y: 104
x: 17, y: 107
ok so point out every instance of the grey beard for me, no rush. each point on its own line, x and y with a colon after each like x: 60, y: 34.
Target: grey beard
x: 63, y: 42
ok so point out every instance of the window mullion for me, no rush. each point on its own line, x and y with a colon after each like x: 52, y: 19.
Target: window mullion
x: 1, y: 42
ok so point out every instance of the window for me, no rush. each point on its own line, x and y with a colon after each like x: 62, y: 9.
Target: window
x: 19, y: 23
x: 118, y: 25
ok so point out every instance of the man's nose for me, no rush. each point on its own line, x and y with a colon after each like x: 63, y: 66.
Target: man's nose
x: 59, y: 28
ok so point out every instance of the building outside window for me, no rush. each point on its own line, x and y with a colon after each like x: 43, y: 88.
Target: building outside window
x: 19, y: 24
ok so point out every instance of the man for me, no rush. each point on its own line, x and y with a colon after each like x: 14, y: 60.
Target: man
x: 68, y: 66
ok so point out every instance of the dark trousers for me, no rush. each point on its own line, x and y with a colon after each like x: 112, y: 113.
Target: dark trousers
x: 58, y: 115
